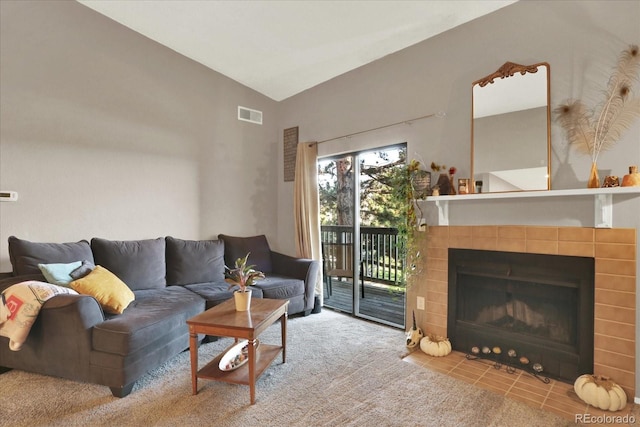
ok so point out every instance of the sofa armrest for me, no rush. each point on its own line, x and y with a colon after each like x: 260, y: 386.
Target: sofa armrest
x: 298, y: 268
x: 64, y: 312
x: 59, y: 343
x: 84, y: 311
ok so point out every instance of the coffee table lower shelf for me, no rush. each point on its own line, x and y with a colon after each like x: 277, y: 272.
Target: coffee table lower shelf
x: 265, y: 354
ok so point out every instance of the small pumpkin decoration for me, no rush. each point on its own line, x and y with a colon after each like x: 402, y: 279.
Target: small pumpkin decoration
x: 435, y: 345
x: 601, y: 392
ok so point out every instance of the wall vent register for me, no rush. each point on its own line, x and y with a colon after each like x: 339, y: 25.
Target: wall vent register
x: 8, y: 196
x: 248, y: 115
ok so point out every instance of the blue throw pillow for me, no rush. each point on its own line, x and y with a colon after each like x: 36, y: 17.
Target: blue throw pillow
x: 59, y: 274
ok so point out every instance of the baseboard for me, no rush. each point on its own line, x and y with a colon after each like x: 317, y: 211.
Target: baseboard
x: 636, y: 400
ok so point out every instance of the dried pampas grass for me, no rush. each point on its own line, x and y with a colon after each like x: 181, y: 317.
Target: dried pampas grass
x: 594, y: 130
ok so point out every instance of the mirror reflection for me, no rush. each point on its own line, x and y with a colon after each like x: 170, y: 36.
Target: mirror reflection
x: 511, y: 129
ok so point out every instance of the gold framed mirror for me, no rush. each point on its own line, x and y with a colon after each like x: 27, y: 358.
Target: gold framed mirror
x: 511, y: 129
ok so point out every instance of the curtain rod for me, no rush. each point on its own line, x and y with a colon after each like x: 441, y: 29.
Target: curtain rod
x: 439, y: 114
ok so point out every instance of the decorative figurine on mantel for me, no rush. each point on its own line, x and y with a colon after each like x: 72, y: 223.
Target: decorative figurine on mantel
x: 452, y: 188
x: 444, y: 186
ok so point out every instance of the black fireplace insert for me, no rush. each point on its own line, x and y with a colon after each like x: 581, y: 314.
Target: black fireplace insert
x: 540, y: 306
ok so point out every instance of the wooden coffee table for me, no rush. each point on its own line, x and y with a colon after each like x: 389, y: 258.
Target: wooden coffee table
x: 224, y: 321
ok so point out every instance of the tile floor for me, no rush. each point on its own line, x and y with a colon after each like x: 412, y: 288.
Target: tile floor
x: 556, y: 397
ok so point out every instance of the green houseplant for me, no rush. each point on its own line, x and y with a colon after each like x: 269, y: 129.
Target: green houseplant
x: 242, y: 276
x: 410, y: 229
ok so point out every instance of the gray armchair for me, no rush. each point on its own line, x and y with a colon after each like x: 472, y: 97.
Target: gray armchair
x: 287, y: 277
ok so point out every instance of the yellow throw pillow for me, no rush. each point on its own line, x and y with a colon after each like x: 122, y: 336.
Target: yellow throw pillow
x: 111, y: 292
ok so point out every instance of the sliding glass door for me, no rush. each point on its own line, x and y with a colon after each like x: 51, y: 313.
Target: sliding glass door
x: 362, y: 264
x: 336, y: 183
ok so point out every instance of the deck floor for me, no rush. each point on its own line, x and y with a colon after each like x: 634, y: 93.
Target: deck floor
x: 379, y: 301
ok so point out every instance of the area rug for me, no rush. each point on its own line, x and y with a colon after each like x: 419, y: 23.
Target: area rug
x: 340, y: 371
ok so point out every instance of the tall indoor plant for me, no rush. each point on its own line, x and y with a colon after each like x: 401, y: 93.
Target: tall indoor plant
x: 242, y: 276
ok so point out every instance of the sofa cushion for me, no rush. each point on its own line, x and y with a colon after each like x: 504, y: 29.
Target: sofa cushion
x: 280, y: 287
x: 138, y: 263
x: 154, y: 314
x: 194, y: 261
x: 25, y: 255
x: 239, y: 247
x: 59, y: 274
x: 217, y: 292
x: 85, y: 268
x: 111, y: 292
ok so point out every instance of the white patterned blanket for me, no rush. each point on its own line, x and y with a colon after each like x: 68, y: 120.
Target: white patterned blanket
x: 19, y: 308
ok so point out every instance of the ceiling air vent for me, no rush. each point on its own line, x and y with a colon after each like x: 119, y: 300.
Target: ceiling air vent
x: 249, y: 115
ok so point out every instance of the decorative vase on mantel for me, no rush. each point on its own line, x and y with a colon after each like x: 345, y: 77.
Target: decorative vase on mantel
x: 594, y: 179
x: 242, y: 300
x: 633, y: 179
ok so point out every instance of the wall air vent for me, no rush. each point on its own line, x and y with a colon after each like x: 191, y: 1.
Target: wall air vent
x: 8, y: 196
x: 249, y: 115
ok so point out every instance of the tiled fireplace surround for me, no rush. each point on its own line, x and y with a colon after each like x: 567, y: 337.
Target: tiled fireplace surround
x: 614, y: 251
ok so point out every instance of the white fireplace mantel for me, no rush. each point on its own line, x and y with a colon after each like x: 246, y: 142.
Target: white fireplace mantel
x: 602, y: 200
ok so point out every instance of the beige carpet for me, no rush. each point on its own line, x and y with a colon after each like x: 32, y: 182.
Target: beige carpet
x: 339, y: 372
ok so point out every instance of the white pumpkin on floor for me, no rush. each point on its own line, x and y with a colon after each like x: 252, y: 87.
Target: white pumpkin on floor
x: 600, y: 392
x: 435, y: 345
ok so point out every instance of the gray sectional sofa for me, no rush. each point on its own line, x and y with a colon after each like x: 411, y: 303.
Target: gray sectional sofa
x: 172, y: 280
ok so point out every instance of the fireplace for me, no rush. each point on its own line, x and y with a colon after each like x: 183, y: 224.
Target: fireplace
x: 541, y: 306
x: 614, y: 251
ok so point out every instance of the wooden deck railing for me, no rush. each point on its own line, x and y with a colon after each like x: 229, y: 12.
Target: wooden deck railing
x: 380, y: 255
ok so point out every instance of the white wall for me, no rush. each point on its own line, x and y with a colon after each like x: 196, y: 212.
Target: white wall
x: 106, y: 133
x: 581, y: 41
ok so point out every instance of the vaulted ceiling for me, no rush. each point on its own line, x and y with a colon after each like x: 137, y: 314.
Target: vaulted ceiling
x: 281, y: 48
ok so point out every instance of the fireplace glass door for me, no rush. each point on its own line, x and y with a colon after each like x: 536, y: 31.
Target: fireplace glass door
x: 531, y: 310
x: 539, y: 306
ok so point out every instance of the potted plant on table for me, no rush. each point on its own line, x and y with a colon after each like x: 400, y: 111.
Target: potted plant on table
x: 242, y: 276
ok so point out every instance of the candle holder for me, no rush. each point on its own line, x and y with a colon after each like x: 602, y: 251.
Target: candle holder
x: 463, y: 185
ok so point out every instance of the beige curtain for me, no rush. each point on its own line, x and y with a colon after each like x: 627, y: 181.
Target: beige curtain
x: 307, y: 206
